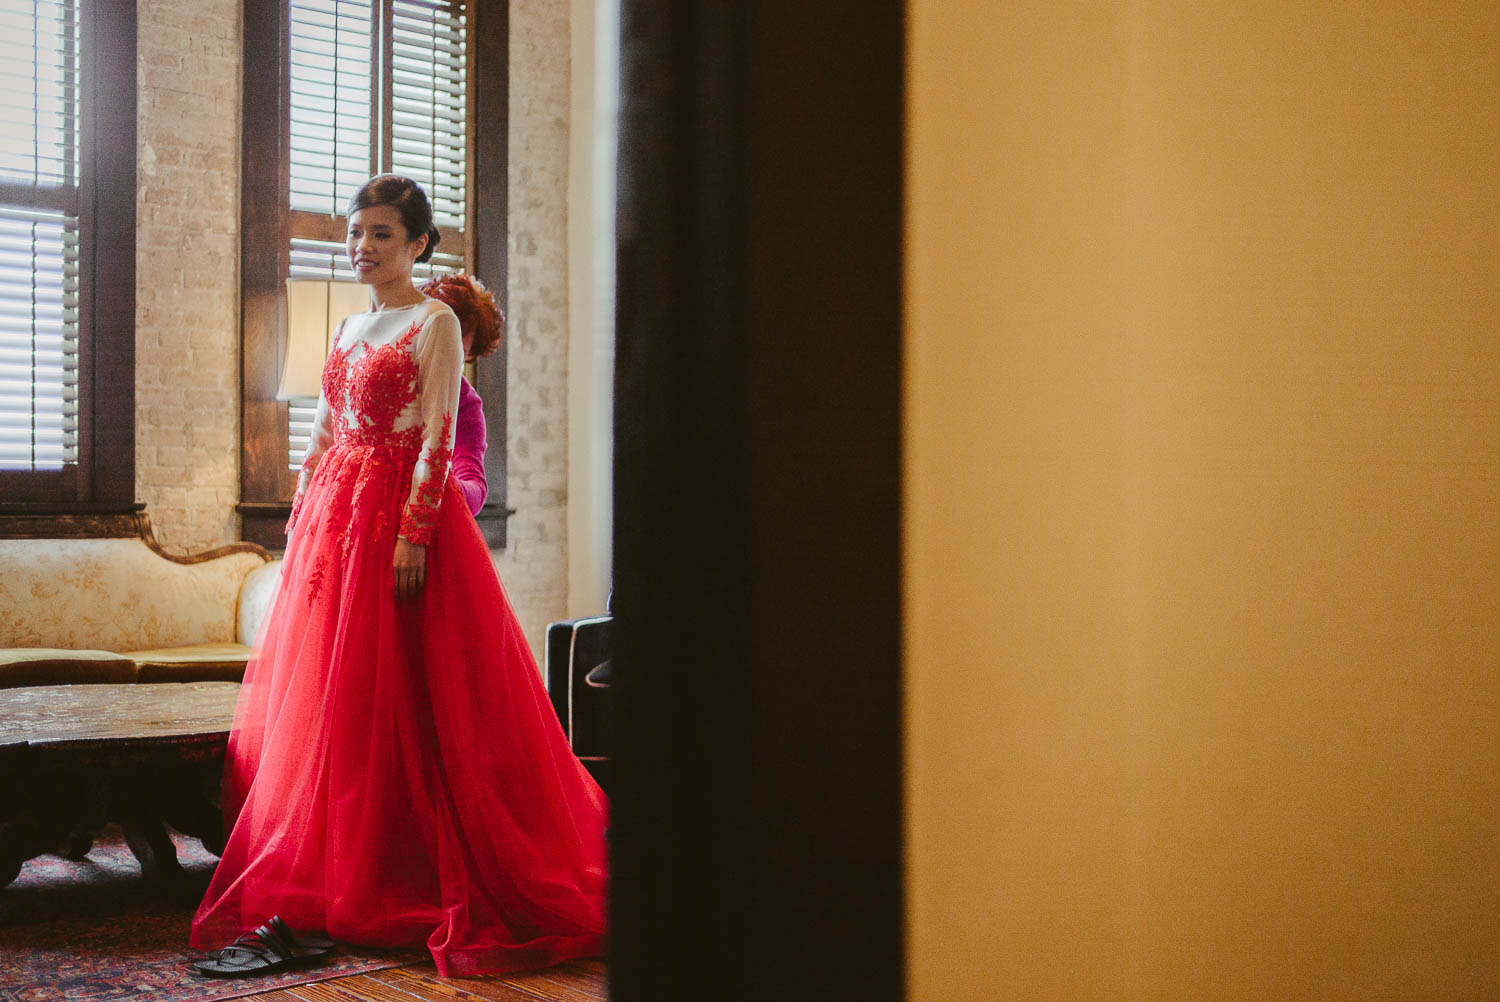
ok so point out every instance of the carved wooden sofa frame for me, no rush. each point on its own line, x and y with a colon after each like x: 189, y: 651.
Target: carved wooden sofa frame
x: 95, y: 598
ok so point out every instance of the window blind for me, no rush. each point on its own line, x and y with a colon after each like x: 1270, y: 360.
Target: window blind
x: 332, y: 136
x: 40, y: 83
x: 342, y: 71
x: 299, y: 423
x: 376, y: 86
x: 429, y: 108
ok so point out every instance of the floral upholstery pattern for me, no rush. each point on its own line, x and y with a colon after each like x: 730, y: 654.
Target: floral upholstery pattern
x: 115, y: 595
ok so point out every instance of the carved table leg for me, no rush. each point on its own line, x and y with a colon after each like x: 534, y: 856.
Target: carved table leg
x: 153, y: 847
x: 194, y: 810
x: 78, y: 843
x: 18, y: 843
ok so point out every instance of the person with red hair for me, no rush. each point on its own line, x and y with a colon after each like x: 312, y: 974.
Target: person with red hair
x: 480, y: 320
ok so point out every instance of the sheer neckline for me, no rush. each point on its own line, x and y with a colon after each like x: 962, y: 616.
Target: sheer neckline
x: 394, y: 309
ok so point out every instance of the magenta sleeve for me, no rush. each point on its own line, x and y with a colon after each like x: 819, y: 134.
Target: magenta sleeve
x: 469, y: 447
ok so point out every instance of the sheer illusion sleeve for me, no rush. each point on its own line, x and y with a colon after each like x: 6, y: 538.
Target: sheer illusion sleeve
x: 469, y: 447
x: 440, y: 361
x: 317, y: 444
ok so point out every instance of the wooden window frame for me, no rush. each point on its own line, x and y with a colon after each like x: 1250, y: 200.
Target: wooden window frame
x: 269, y: 224
x: 103, y: 480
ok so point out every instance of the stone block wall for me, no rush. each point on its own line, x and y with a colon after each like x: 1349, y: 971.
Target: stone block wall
x: 187, y: 270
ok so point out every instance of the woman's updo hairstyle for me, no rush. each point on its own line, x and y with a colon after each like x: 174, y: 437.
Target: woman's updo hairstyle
x: 408, y: 199
x: 474, y: 305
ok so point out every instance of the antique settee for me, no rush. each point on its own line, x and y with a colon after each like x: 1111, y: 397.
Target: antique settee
x: 97, y: 600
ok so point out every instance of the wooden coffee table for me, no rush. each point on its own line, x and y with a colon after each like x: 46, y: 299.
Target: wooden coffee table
x: 75, y: 757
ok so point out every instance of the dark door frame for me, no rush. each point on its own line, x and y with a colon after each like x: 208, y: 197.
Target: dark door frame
x: 757, y: 816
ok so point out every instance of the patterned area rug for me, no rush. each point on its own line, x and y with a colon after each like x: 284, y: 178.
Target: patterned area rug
x: 95, y: 930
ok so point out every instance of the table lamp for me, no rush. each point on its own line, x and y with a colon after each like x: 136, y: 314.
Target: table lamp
x: 314, y: 307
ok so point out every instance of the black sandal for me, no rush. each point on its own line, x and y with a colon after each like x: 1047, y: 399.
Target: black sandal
x: 271, y: 948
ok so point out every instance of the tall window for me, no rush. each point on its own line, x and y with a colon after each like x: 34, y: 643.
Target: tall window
x: 376, y: 86
x: 366, y: 87
x: 39, y: 154
x: 67, y: 186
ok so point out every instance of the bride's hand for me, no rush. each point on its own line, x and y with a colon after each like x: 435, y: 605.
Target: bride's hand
x: 410, y: 565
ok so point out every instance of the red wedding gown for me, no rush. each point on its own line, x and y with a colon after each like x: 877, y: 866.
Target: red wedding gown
x: 396, y: 774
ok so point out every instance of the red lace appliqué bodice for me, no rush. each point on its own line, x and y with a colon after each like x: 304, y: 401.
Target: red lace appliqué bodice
x: 375, y: 389
x: 388, y: 402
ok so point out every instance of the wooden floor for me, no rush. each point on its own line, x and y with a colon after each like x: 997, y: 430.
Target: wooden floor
x: 578, y: 981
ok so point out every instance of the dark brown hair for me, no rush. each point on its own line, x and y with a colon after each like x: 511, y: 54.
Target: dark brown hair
x: 408, y: 199
x: 475, y: 306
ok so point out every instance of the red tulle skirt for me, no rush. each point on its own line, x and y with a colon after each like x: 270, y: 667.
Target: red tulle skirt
x: 396, y: 775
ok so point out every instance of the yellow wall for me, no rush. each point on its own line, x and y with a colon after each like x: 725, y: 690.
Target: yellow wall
x: 1203, y: 500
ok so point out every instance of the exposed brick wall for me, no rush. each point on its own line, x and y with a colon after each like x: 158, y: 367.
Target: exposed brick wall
x: 187, y: 268
x: 534, y: 565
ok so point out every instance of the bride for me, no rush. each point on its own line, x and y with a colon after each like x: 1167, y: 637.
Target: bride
x: 396, y: 775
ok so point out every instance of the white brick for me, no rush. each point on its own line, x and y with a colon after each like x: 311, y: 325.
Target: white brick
x: 187, y: 294
x: 534, y: 566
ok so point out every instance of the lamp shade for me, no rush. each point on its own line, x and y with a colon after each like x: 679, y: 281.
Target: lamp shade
x: 314, y: 308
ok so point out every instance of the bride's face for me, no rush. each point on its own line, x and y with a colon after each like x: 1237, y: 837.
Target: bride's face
x: 379, y: 249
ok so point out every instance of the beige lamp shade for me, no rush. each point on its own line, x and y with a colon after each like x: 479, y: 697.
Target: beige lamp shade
x: 314, y: 308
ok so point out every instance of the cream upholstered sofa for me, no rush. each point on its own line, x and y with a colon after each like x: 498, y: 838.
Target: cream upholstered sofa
x: 97, y: 600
